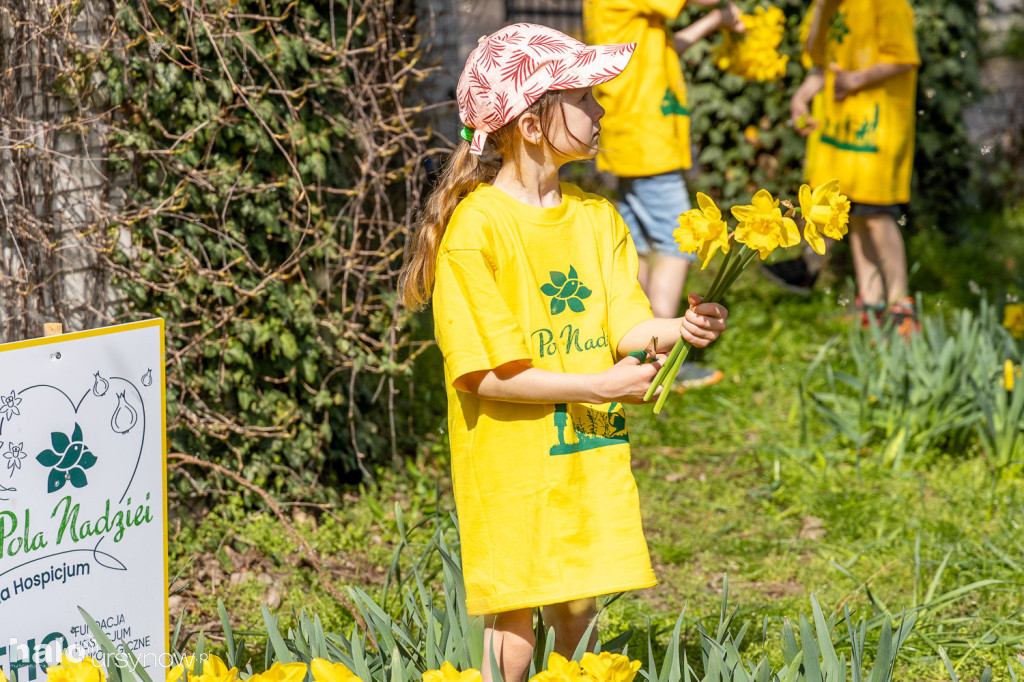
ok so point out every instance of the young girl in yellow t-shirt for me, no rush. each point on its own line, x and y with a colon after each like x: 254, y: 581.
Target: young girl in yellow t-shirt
x: 536, y: 306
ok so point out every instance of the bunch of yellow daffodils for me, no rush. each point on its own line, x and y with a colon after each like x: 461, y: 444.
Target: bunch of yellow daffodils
x: 754, y: 54
x: 762, y: 227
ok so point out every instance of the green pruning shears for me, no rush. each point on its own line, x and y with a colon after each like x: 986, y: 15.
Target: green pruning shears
x: 648, y: 354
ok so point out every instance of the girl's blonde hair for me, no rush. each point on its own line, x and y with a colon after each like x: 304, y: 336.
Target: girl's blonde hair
x: 461, y: 175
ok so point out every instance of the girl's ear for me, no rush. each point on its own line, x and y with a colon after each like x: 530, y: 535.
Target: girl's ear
x: 530, y: 128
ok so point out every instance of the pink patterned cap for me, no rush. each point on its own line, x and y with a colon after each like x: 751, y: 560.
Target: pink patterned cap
x: 511, y: 68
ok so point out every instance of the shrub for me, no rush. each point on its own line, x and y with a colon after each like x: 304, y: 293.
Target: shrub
x: 271, y: 159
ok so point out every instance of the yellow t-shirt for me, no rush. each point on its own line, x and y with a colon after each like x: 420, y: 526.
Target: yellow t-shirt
x: 646, y: 126
x: 548, y: 507
x: 867, y: 139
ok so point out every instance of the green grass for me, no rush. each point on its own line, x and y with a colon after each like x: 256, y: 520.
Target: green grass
x: 728, y: 488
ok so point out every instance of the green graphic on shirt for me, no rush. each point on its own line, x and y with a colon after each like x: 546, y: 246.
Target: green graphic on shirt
x: 837, y: 29
x: 566, y: 290
x: 848, y: 136
x: 590, y: 428
x: 670, y: 105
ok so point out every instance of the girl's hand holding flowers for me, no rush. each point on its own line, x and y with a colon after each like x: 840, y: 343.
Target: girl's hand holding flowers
x: 703, y: 322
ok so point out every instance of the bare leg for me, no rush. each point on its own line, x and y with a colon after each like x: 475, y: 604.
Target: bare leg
x: 879, y: 259
x: 510, y: 636
x: 663, y: 283
x: 570, y: 621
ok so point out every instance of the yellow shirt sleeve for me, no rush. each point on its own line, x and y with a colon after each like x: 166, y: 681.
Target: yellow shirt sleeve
x: 474, y: 327
x: 669, y: 9
x: 896, y: 42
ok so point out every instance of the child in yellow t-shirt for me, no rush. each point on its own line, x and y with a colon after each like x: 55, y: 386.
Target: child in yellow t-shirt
x: 645, y: 137
x: 536, y: 306
x: 863, y: 84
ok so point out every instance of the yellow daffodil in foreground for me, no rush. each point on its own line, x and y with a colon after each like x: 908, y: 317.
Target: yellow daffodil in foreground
x: 826, y: 213
x: 1013, y: 319
x: 214, y: 670
x: 3, y: 678
x: 183, y: 671
x: 282, y: 672
x: 325, y: 671
x: 702, y: 230
x: 448, y: 673
x: 559, y: 669
x: 762, y: 226
x: 609, y: 667
x: 69, y: 670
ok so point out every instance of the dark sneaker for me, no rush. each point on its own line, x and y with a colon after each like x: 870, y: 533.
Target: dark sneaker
x: 691, y: 376
x: 791, y: 275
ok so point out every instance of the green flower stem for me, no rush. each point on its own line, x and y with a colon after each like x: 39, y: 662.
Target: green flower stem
x: 736, y: 261
x: 664, y: 377
x: 683, y: 347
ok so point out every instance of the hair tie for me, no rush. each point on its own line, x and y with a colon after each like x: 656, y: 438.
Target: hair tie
x: 466, y: 133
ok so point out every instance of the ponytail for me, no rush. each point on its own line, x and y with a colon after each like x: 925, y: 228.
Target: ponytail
x: 461, y: 174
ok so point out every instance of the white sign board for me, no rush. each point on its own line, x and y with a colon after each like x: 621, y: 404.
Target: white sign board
x: 83, y: 496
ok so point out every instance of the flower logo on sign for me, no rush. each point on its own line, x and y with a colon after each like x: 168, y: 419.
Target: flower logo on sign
x: 68, y: 460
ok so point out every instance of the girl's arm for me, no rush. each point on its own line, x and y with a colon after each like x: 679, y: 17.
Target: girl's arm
x: 800, y: 103
x: 722, y: 17
x: 849, y: 82
x: 624, y: 382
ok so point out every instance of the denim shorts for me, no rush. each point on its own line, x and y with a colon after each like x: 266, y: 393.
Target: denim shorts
x: 651, y: 206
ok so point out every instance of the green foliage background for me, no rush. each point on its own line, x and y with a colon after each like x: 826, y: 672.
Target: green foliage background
x: 268, y: 151
x: 732, y: 166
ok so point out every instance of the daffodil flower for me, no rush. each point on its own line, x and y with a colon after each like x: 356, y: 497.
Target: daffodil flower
x: 215, y: 670
x: 1013, y: 319
x: 826, y: 213
x: 702, y: 230
x: 1010, y: 374
x: 754, y: 55
x: 559, y: 669
x: 176, y: 673
x: 609, y: 667
x: 325, y: 671
x: 448, y: 673
x: 762, y: 226
x: 70, y: 670
x: 282, y: 672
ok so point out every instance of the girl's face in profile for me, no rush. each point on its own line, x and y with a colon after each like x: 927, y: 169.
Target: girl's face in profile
x: 576, y: 138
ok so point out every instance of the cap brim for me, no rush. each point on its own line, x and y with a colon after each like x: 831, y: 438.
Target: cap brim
x: 598, y: 64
